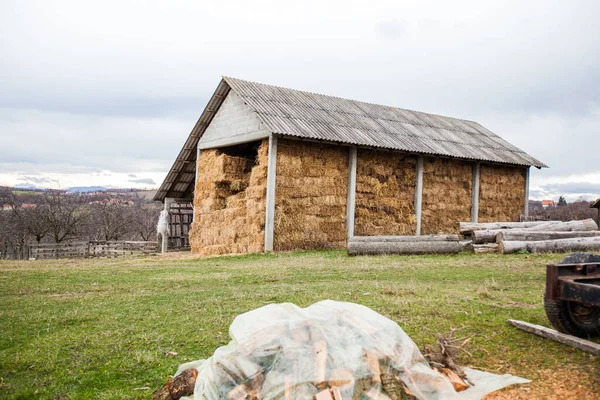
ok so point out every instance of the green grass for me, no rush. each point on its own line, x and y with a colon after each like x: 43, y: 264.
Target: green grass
x: 84, y: 329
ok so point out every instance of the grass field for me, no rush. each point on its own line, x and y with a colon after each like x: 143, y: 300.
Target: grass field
x: 101, y: 329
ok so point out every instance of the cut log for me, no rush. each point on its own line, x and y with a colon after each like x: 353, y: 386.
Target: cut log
x: 486, y: 248
x: 480, y: 237
x: 526, y: 235
x: 422, y: 238
x: 548, y: 246
x: 458, y: 384
x: 320, y: 349
x: 435, y: 247
x: 324, y: 395
x: 573, y: 341
x: 583, y: 225
x: 181, y: 385
x: 468, y: 227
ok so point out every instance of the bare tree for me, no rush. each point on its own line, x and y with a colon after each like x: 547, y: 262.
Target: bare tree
x: 64, y: 214
x: 146, y: 219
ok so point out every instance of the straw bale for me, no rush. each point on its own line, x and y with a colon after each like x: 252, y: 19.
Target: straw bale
x: 311, y: 191
x: 501, y: 193
x: 229, y: 201
x: 385, y: 190
x: 447, y: 185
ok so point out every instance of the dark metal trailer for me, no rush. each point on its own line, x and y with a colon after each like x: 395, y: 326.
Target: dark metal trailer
x: 572, y: 298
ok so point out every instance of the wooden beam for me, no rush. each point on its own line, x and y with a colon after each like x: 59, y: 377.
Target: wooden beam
x: 270, y: 201
x: 475, y: 192
x: 578, y: 343
x: 526, y: 206
x: 419, y: 193
x: 351, y: 201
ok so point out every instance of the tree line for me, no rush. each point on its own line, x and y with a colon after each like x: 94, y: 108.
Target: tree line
x: 54, y: 216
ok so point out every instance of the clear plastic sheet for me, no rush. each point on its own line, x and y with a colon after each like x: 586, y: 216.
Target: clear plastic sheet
x: 282, y: 351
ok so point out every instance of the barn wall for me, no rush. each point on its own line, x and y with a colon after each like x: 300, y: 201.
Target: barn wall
x: 310, y: 196
x: 385, y: 192
x: 501, y: 193
x: 233, y: 123
x: 229, y: 203
x: 447, y: 185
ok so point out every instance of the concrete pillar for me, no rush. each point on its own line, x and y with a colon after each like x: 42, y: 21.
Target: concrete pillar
x: 351, y: 202
x: 526, y: 206
x: 419, y: 193
x: 270, y: 201
x: 475, y: 192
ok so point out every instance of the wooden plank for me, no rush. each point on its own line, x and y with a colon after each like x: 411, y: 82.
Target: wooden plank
x: 475, y: 192
x: 419, y: 194
x: 525, y: 235
x: 569, y: 340
x: 351, y: 201
x: 270, y: 201
x: 485, y: 248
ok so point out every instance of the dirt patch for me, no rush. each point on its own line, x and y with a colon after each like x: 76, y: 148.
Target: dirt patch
x: 570, y: 382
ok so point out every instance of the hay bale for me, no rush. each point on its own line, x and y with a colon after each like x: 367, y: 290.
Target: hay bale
x: 501, y: 193
x: 229, y: 202
x: 446, y: 194
x: 385, y: 190
x: 311, y: 191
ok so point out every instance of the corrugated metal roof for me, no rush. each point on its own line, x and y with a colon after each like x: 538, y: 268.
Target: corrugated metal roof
x: 315, y: 116
x: 295, y: 113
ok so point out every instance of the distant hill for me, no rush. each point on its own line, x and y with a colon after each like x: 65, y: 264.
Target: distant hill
x: 85, y: 189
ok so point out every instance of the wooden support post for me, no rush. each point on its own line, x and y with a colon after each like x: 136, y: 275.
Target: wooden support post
x: 270, y: 201
x: 419, y: 193
x: 578, y: 343
x: 351, y: 202
x: 475, y: 192
x: 165, y: 238
x: 526, y: 206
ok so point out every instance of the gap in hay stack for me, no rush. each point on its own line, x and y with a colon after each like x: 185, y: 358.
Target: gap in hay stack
x: 229, y: 200
x: 501, y: 193
x: 446, y: 194
x: 311, y: 192
x: 385, y: 190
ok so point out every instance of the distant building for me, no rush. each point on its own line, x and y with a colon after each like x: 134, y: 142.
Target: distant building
x: 548, y: 203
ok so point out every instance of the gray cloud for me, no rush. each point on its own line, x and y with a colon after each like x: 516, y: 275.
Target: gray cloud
x: 146, y: 181
x: 132, y: 175
x: 79, y: 94
x: 39, y: 180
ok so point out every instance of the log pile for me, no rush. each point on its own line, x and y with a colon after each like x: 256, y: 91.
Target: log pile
x: 532, y: 236
x: 301, y: 361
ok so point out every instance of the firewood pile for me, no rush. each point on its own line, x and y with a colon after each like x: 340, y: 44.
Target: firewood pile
x: 532, y: 236
x: 328, y: 351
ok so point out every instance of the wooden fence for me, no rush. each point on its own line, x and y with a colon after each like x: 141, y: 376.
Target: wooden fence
x: 91, y: 249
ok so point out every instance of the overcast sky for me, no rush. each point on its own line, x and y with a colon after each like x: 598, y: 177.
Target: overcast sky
x: 106, y: 92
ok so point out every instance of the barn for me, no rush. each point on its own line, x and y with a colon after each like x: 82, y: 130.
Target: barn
x: 271, y: 169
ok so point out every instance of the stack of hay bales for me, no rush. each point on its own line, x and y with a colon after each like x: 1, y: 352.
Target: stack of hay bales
x: 229, y: 203
x: 311, y: 192
x: 447, y: 186
x: 502, y: 193
x: 385, y: 191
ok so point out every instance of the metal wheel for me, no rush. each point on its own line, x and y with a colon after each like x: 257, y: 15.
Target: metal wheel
x: 571, y: 317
